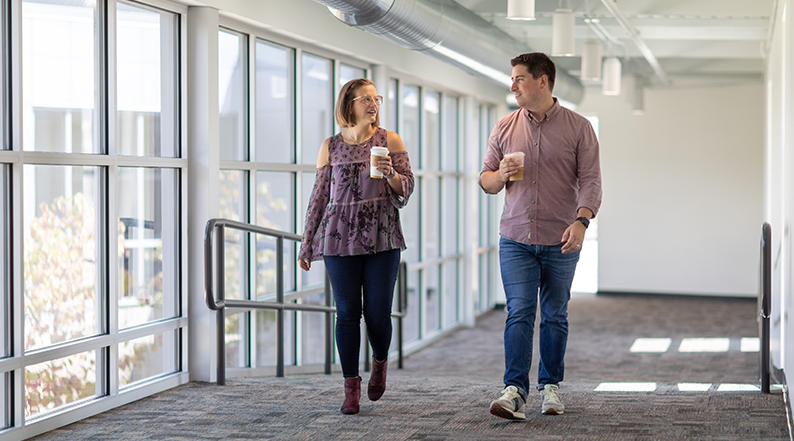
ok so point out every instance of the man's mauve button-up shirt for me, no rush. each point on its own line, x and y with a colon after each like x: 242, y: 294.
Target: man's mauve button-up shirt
x: 562, y: 173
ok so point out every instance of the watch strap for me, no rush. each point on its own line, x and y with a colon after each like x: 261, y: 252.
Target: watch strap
x: 585, y: 221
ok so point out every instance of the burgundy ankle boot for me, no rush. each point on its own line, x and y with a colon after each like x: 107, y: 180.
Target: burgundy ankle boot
x: 377, y: 382
x: 352, y: 395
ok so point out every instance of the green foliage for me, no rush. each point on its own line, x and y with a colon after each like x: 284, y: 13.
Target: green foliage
x: 61, y: 303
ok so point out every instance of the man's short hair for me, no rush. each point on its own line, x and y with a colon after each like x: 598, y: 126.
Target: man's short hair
x: 344, y: 103
x: 537, y: 64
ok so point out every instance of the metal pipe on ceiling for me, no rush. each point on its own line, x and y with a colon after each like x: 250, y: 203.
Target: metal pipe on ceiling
x: 447, y: 31
x: 613, y: 9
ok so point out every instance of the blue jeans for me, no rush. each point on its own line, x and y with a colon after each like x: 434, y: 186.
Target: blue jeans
x: 363, y: 283
x: 526, y: 271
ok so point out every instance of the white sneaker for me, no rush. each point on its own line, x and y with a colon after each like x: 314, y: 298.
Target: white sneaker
x: 510, y: 405
x: 552, y: 403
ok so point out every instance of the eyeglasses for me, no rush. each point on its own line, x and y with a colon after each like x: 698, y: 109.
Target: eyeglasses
x: 367, y: 100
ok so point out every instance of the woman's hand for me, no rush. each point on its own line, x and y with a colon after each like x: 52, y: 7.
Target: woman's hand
x: 305, y: 264
x: 384, y: 165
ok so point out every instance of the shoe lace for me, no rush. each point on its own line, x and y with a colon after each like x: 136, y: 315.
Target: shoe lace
x: 551, y: 395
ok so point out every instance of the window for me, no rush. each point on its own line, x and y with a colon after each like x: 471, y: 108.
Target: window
x: 275, y: 122
x: 59, y: 92
x: 148, y: 201
x: 100, y: 199
x: 317, y: 117
x: 147, y: 77
x: 347, y: 73
x: 232, y: 96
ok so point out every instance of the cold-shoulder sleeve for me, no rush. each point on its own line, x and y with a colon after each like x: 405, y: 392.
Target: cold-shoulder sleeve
x: 402, y: 165
x: 311, y: 248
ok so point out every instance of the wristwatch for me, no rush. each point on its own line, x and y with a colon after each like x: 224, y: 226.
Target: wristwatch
x: 391, y: 175
x: 585, y: 221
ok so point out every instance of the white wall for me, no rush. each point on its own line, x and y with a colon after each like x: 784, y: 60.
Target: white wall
x: 683, y: 190
x: 779, y: 188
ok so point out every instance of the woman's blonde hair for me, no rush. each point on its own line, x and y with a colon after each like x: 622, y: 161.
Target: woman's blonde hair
x: 344, y: 103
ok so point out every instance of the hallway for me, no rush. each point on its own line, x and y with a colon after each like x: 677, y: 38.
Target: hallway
x: 444, y: 390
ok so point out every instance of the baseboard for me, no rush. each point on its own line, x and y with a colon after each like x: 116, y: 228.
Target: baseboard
x: 780, y: 378
x: 749, y: 297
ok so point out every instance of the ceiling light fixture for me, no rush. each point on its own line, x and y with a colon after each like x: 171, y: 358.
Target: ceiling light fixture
x: 613, y: 72
x: 591, y: 60
x: 612, y: 76
x: 520, y: 9
x: 563, y: 37
x: 638, y: 100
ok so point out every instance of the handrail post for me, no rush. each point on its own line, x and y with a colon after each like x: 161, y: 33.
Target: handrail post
x: 280, y: 312
x: 221, y: 313
x: 764, y: 306
x: 402, y: 295
x: 329, y: 327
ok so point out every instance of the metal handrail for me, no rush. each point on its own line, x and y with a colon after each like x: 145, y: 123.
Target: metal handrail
x: 214, y: 284
x: 764, y: 307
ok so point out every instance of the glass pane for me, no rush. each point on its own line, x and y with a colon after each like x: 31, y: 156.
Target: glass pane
x: 5, y: 268
x: 5, y: 405
x: 316, y: 276
x: 60, y: 262
x: 232, y: 96
x: 147, y: 357
x: 318, y: 105
x: 450, y: 218
x: 431, y: 218
x: 58, y: 76
x: 313, y: 332
x: 236, y: 341
x: 234, y: 206
x: 148, y: 201
x: 481, y: 302
x: 290, y: 338
x: 275, y: 114
x: 393, y: 106
x: 412, y: 318
x: 409, y: 220
x: 410, y: 126
x: 3, y: 90
x: 275, y: 205
x: 347, y: 73
x: 432, y: 131
x: 450, y: 158
x: 432, y: 299
x: 450, y: 288
x: 484, y: 216
x: 59, y: 382
x: 147, y: 61
x: 266, y: 338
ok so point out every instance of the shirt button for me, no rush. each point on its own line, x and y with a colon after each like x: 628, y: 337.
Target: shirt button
x: 533, y: 201
x: 536, y: 143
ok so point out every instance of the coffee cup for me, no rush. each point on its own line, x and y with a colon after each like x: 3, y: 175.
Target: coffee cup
x: 375, y: 154
x: 519, y: 158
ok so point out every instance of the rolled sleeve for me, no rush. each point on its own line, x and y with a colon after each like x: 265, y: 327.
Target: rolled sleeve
x: 589, y: 171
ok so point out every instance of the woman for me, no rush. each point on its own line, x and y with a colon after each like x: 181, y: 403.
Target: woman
x: 353, y: 223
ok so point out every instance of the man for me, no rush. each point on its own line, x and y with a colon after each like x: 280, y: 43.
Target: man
x: 543, y: 226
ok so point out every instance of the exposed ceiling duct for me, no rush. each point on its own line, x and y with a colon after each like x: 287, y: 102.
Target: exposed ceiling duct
x: 447, y: 31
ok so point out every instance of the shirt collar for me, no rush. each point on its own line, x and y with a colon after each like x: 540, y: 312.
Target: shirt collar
x: 555, y: 108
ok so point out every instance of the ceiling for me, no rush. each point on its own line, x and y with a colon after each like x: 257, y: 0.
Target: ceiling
x: 691, y: 42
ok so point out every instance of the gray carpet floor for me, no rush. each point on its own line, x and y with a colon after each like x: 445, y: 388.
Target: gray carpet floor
x: 443, y: 392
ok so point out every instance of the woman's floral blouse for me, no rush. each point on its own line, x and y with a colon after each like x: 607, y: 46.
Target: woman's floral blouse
x: 349, y: 213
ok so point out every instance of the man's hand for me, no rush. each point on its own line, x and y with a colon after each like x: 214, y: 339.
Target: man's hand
x: 494, y: 181
x: 573, y: 238
x: 508, y: 167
